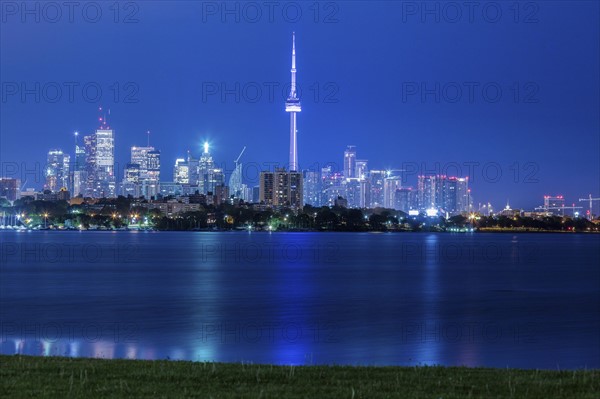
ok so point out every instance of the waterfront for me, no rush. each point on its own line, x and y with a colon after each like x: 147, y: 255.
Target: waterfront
x: 496, y: 300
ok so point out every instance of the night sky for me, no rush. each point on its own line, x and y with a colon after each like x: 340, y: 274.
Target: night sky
x: 362, y: 68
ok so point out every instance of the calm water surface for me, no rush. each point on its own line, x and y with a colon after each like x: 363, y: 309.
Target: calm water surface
x: 499, y: 300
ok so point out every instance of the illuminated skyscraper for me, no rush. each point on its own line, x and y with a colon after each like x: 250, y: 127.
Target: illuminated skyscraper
x: 281, y: 188
x: 292, y: 105
x: 181, y: 171
x: 105, y: 160
x: 312, y: 188
x: 376, y: 178
x: 350, y: 162
x: 57, y: 170
x: 361, y: 169
x: 143, y: 172
x: 391, y: 183
x: 236, y: 187
x: 151, y: 184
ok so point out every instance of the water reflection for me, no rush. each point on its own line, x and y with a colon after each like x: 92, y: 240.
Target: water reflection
x: 387, y: 299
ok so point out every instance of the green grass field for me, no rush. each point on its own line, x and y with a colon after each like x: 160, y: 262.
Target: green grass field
x: 39, y: 377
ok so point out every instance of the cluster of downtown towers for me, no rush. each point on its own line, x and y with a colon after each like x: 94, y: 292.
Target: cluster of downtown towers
x: 93, y: 174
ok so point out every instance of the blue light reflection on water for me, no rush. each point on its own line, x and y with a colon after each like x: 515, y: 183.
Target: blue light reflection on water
x: 497, y: 300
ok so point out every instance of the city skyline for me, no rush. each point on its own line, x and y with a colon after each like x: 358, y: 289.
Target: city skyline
x: 402, y: 130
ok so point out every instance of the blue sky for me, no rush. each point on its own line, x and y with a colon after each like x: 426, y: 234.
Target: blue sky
x: 506, y: 92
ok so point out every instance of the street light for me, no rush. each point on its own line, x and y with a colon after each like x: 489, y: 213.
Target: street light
x: 45, y: 220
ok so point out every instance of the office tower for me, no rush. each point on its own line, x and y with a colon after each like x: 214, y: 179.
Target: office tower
x: 105, y: 161
x: 57, y: 170
x: 312, y: 188
x: 140, y: 156
x: 131, y: 181
x: 361, y: 169
x: 151, y: 184
x: 376, y: 179
x: 292, y: 105
x: 192, y: 169
x: 10, y: 188
x: 205, y: 165
x: 350, y: 162
x: 281, y: 188
x: 145, y: 164
x: 212, y: 179
x: 181, y: 172
x: 79, y: 169
x: 88, y: 178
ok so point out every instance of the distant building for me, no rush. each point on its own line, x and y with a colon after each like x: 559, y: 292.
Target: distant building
x: 131, y: 181
x: 340, y: 202
x: 376, y: 181
x: 350, y: 162
x: 353, y: 193
x: 281, y: 188
x: 10, y: 188
x: 57, y: 170
x: 312, y: 188
x: 105, y: 185
x: 450, y: 194
x: 361, y: 169
x: 404, y: 199
x: 391, y: 183
x: 181, y: 171
x: 142, y: 174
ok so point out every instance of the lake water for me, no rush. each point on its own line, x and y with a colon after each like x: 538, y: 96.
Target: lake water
x: 498, y: 300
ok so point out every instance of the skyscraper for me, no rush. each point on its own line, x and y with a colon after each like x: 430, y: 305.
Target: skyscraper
x: 350, y: 162
x: 312, y: 188
x: 236, y: 188
x: 142, y: 175
x: 361, y: 169
x: 376, y: 178
x: 105, y: 160
x: 88, y: 178
x: 391, y: 183
x: 292, y: 105
x: 426, y: 192
x: 79, y: 169
x: 181, y: 171
x: 281, y: 188
x: 151, y: 185
x: 57, y: 170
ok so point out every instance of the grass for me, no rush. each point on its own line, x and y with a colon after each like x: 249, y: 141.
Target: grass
x: 57, y: 377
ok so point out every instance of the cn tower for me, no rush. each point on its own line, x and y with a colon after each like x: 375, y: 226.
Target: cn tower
x: 292, y: 105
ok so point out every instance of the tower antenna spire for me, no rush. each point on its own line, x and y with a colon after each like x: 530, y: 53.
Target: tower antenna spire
x: 292, y: 105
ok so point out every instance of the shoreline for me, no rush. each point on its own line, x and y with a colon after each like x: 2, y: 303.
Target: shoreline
x: 31, y: 376
x: 483, y: 230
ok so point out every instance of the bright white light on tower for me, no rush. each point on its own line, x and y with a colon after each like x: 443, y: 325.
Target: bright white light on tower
x: 206, y: 146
